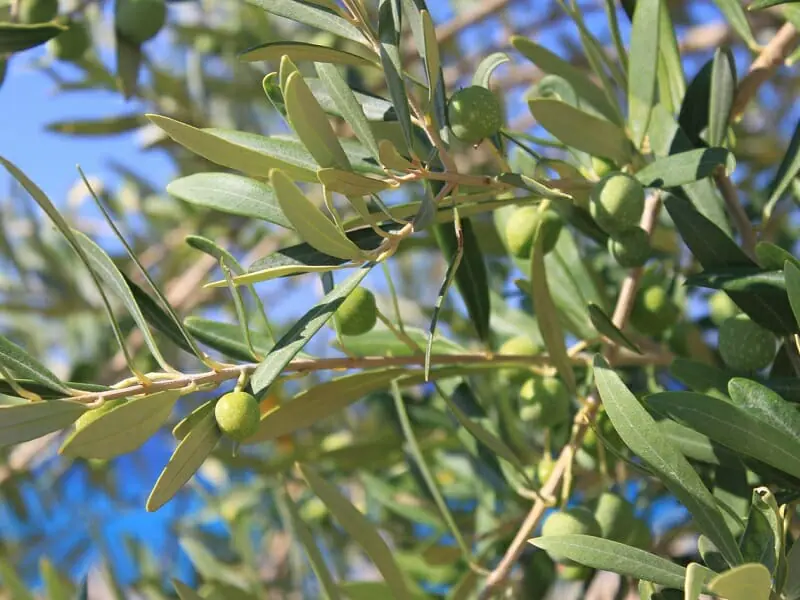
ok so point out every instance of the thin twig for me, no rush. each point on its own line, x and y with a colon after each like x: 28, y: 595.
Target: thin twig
x: 731, y: 197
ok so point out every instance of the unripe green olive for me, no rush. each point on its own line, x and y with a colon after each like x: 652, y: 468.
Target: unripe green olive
x: 520, y: 345
x: 572, y: 521
x: 545, y: 468
x: 721, y: 307
x: 474, y: 114
x: 140, y: 20
x: 617, y: 202
x: 71, y: 44
x: 546, y: 401
x: 654, y: 311
x: 237, y: 415
x: 358, y: 313
x: 630, y: 247
x: 745, y: 345
x: 37, y: 11
x: 521, y: 227
x: 90, y: 416
x: 574, y: 572
x: 615, y: 516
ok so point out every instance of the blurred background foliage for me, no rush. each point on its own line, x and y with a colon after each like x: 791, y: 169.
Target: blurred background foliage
x: 230, y: 527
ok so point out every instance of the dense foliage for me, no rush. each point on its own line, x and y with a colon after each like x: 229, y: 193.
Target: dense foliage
x: 530, y: 334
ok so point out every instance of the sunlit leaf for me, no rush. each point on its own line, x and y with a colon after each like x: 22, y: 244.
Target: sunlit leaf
x: 24, y: 422
x: 745, y: 582
x: 299, y: 51
x: 23, y: 364
x: 643, y: 67
x: 685, y: 167
x: 313, y: 16
x: 786, y: 173
x: 723, y: 88
x: 736, y: 17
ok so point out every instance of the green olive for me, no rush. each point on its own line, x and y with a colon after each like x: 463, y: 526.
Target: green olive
x: 546, y: 401
x: 630, y: 247
x: 521, y: 227
x: 578, y: 520
x: 745, y: 345
x: 37, y: 11
x: 545, y: 468
x: 721, y: 307
x: 615, y: 516
x: 520, y: 345
x: 617, y: 202
x: 358, y: 313
x: 71, y: 44
x: 574, y: 572
x: 474, y: 114
x: 654, y: 311
x: 237, y: 415
x: 140, y: 20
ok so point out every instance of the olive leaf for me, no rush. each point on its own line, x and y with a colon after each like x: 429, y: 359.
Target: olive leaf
x: 304, y: 51
x: 15, y: 37
x: 643, y: 67
x: 24, y: 422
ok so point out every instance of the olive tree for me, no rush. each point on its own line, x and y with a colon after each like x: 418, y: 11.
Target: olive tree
x: 539, y: 328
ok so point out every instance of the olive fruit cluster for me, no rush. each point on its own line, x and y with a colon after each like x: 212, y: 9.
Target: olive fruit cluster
x: 521, y: 227
x: 237, y: 415
x: 613, y: 518
x: 474, y: 114
x: 745, y: 345
x: 358, y: 313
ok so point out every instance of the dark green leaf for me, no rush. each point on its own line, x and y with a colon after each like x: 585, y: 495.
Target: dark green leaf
x: 24, y: 365
x: 389, y: 33
x: 184, y: 462
x: 641, y: 434
x: 773, y: 257
x: 761, y: 541
x: 471, y: 278
x: 643, y: 67
x: 605, y: 326
x: 227, y: 338
x: 15, y: 37
x: 25, y: 422
x: 123, y: 429
x: 740, y: 279
x: 792, y: 281
x: 232, y: 194
x: 685, y: 167
x: 723, y: 88
x: 100, y: 127
x: 301, y: 332
x: 765, y: 405
x: 786, y: 173
x: 611, y: 556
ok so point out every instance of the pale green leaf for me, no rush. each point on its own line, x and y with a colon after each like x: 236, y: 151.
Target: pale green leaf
x: 485, y: 68
x: 643, y: 67
x: 299, y: 51
x: 351, y: 184
x: 24, y: 365
x: 185, y: 592
x: 737, y: 19
x: 686, y: 167
x: 25, y: 422
x: 186, y: 424
x: 433, y: 61
x: 313, y: 16
x: 745, y: 582
x: 723, y: 90
x: 123, y: 429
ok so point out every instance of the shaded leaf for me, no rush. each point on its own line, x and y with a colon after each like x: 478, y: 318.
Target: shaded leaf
x: 786, y: 173
x: 773, y: 257
x: 351, y: 184
x: 316, y: 17
x: 599, y: 553
x: 685, y: 167
x: 736, y: 17
x: 101, y: 127
x: 23, y: 364
x: 24, y: 422
x: 723, y: 88
x: 299, y: 51
x: 361, y: 530
x: 792, y: 282
x: 389, y: 34
x: 605, y: 326
x: 184, y: 462
x: 227, y: 338
x: 185, y: 592
x: 432, y: 59
x: 15, y: 37
x: 123, y: 429
x: 129, y: 63
x: 232, y: 194
x: 641, y: 434
x: 761, y: 540
x: 643, y: 67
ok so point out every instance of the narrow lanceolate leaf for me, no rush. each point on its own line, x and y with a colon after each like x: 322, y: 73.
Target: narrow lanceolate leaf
x: 186, y: 424
x: 273, y: 153
x: 184, y: 462
x: 318, y: 565
x: 226, y: 338
x: 792, y: 277
x: 773, y: 257
x: 124, y: 428
x: 643, y: 67
x: 24, y: 365
x: 302, y: 331
x: 733, y: 427
x: 351, y: 184
x: 471, y: 276
x: 320, y: 402
x: 15, y: 37
x: 723, y: 89
x: 299, y: 51
x: 306, y: 13
x: 486, y: 67
x: 745, y: 582
x: 685, y: 167
x: 311, y: 124
x: 671, y: 78
x: 551, y: 63
x: 348, y: 105
x: 389, y: 34
x: 232, y: 194
x: 765, y: 405
x: 605, y: 326
x: 762, y: 539
x: 696, y: 577
x: 641, y: 434
x: 547, y: 314
x: 606, y: 555
x: 107, y: 271
x: 361, y: 530
x: 185, y: 592
x: 24, y: 422
x: 433, y: 61
x: 129, y: 64
x: 787, y: 171
x: 736, y: 17
x: 99, y: 127
x: 309, y: 221
x: 582, y: 131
